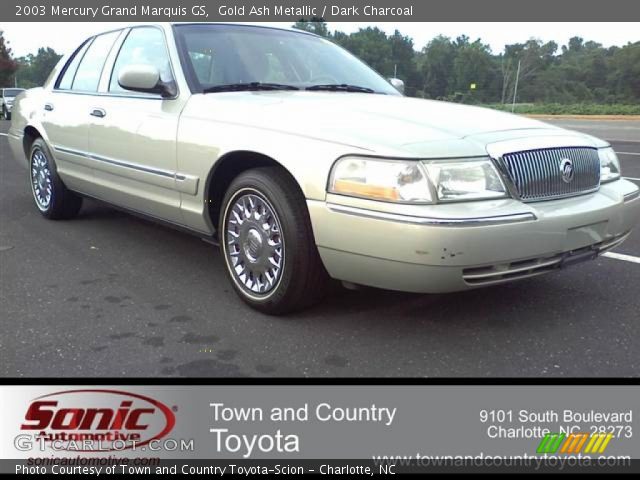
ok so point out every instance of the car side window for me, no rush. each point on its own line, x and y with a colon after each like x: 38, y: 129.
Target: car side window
x: 88, y: 75
x: 143, y: 46
x: 65, y: 82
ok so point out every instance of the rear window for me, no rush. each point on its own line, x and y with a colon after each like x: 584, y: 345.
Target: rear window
x: 87, y: 76
x: 66, y: 81
x: 12, y: 92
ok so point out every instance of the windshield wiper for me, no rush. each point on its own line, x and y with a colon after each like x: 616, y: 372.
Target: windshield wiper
x: 340, y: 87
x: 248, y: 87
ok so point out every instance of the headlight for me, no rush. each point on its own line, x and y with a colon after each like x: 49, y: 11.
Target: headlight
x: 388, y: 180
x: 609, y: 165
x: 407, y: 181
x: 465, y: 180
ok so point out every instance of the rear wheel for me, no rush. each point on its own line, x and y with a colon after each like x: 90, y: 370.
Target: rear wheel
x: 54, y: 200
x: 268, y: 244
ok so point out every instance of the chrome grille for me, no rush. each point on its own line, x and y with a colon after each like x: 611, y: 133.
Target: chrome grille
x: 536, y: 174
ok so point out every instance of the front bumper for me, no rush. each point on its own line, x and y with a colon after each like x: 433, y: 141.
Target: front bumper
x: 444, y: 248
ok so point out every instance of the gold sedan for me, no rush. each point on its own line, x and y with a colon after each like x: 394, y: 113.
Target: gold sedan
x: 305, y: 165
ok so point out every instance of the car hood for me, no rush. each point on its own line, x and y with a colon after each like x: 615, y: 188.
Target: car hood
x: 383, y: 124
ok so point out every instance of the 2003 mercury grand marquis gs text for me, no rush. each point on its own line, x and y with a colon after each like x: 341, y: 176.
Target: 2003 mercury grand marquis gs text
x: 304, y: 164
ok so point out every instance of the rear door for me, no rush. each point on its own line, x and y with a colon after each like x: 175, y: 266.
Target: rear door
x: 65, y: 112
x: 132, y: 135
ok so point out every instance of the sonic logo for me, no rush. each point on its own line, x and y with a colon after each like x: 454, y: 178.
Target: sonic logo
x: 98, y: 420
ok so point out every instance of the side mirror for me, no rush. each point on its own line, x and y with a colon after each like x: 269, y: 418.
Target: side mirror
x: 146, y: 79
x: 397, y: 84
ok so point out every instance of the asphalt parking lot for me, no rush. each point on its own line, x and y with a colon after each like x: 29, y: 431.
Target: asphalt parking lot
x: 109, y: 294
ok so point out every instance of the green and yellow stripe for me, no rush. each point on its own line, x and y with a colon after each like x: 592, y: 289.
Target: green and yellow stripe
x: 573, y: 443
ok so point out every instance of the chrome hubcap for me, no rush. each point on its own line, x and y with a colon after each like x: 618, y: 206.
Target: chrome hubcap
x: 41, y: 180
x: 254, y: 244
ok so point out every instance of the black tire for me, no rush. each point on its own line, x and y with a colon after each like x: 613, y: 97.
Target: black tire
x: 63, y: 203
x: 302, y: 279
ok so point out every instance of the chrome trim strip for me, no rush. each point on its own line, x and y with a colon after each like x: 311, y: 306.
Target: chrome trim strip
x: 631, y: 196
x: 488, y: 283
x: 71, y: 151
x: 529, y: 142
x: 119, y: 163
x: 612, y: 243
x: 115, y: 95
x: 433, y: 221
x: 510, y: 271
x: 180, y: 177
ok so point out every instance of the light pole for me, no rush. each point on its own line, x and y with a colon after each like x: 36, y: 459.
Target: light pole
x: 515, y: 89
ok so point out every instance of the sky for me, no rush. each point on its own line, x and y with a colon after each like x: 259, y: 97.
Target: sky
x: 63, y: 37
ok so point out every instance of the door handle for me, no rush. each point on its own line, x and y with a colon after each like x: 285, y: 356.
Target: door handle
x: 48, y: 107
x: 98, y: 112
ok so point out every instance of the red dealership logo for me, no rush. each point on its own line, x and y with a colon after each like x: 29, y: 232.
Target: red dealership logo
x: 98, y: 420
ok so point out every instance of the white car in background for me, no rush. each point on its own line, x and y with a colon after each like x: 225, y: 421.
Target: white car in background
x: 7, y: 98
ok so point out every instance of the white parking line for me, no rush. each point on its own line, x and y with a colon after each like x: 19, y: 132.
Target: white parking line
x: 631, y: 178
x: 621, y: 140
x: 620, y: 256
x: 629, y: 153
x: 4, y: 134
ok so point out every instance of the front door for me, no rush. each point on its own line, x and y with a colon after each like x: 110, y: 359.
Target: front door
x: 132, y: 136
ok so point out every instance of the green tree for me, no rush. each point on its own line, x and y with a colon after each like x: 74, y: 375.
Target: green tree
x: 315, y: 25
x: 33, y: 70
x: 404, y: 59
x: 372, y: 46
x: 436, y: 67
x: 624, y: 77
x: 473, y: 64
x: 581, y: 71
x: 7, y: 64
x: 534, y: 57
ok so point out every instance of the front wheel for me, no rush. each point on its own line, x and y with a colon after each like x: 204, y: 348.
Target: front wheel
x: 6, y: 114
x: 268, y: 244
x: 54, y: 200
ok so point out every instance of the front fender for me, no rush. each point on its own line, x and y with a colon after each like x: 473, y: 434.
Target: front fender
x: 202, y: 143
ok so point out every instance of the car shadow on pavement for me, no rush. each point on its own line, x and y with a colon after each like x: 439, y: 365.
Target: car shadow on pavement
x: 529, y: 304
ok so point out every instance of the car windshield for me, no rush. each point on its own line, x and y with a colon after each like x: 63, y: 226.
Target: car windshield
x: 12, y: 92
x: 216, y: 56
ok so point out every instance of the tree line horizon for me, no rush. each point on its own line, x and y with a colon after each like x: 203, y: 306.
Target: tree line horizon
x: 459, y: 70
x: 468, y: 71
